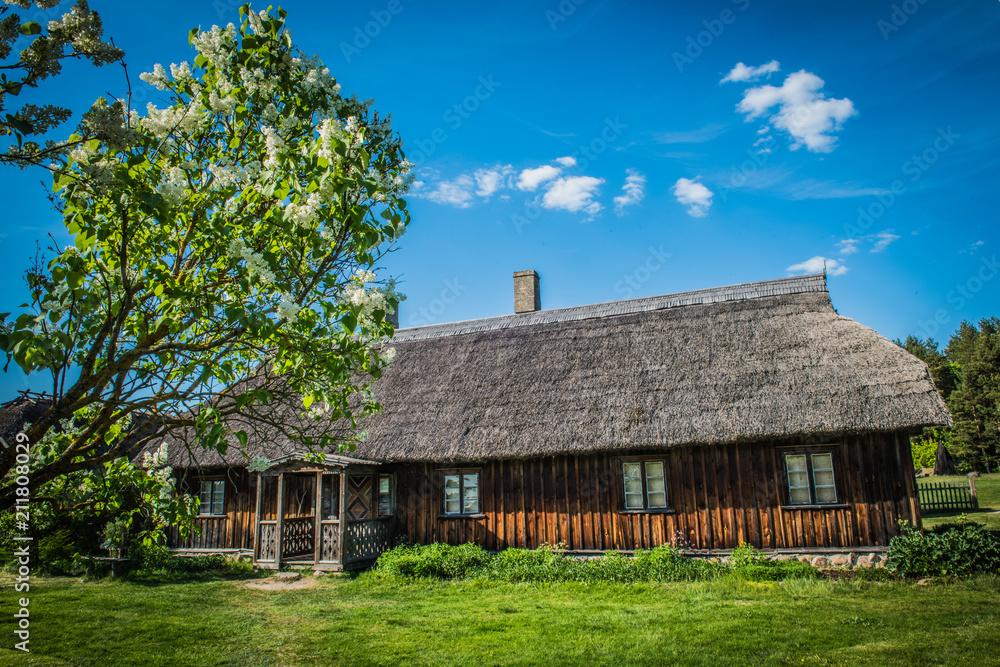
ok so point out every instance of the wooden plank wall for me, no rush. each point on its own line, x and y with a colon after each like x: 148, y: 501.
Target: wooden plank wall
x: 721, y: 496
x: 234, y: 530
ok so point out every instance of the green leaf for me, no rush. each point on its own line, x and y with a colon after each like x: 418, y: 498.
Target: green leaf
x: 242, y: 437
x: 307, y: 400
x: 30, y: 28
x: 20, y: 125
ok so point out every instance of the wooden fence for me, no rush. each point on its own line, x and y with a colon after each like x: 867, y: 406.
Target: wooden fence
x: 949, y: 495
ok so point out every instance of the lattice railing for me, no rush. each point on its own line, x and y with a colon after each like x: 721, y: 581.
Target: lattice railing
x: 297, y: 539
x: 366, y: 539
x: 268, y: 541
x: 329, y: 548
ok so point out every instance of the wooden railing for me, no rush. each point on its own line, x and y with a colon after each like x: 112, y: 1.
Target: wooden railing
x: 297, y: 536
x: 367, y: 538
x: 267, y: 541
x: 329, y: 545
x: 948, y: 495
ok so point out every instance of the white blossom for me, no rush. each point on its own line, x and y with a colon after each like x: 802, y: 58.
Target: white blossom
x: 288, y: 309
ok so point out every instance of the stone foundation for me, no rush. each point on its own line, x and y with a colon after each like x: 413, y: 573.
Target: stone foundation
x: 851, y: 559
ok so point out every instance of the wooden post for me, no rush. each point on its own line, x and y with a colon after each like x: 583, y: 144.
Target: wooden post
x: 281, y: 520
x: 318, y: 516
x: 343, y: 517
x: 256, y: 523
x: 972, y: 490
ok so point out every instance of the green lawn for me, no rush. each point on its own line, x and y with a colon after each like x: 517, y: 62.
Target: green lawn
x: 353, y: 622
x: 988, y: 491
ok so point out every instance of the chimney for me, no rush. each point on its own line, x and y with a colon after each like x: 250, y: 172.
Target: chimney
x: 393, y: 317
x: 526, y: 298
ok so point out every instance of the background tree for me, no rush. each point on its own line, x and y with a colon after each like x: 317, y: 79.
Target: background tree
x: 76, y: 35
x: 943, y: 371
x: 223, y: 259
x: 975, y: 403
x: 967, y: 374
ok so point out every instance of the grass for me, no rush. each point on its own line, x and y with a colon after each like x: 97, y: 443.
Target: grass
x: 363, y: 622
x: 988, y: 491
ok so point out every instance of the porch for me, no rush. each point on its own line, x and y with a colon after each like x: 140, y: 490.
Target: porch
x: 332, y: 515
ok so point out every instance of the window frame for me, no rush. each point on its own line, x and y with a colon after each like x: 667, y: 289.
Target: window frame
x: 461, y: 473
x: 835, y: 451
x: 644, y: 477
x: 391, y: 493
x: 213, y: 481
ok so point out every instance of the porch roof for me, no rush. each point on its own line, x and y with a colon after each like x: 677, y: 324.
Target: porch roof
x: 328, y: 462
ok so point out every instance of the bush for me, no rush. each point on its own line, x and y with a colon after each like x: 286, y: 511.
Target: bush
x: 156, y: 559
x: 923, y: 451
x: 774, y: 570
x: 438, y: 561
x: 549, y: 564
x: 545, y: 564
x: 667, y: 563
x: 955, y: 551
x: 753, y: 564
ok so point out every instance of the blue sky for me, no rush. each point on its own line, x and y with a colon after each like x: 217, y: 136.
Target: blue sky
x: 599, y: 144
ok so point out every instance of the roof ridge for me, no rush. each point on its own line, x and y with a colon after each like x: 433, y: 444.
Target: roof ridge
x: 815, y: 282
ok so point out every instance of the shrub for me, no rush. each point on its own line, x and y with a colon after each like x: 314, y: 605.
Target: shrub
x: 667, y: 563
x: 747, y: 554
x: 438, y: 561
x: 545, y: 564
x: 956, y: 551
x: 923, y: 451
x: 156, y: 558
x: 549, y: 564
x: 773, y: 570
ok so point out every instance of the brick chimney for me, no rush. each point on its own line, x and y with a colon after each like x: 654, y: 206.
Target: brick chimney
x: 526, y: 297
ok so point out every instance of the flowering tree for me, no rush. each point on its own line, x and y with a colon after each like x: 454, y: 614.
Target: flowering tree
x: 223, y: 260
x: 76, y: 35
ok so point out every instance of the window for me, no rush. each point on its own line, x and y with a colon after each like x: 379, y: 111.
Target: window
x: 385, y: 495
x: 213, y: 492
x: 330, y: 498
x: 810, y: 478
x: 645, y: 485
x: 461, y: 492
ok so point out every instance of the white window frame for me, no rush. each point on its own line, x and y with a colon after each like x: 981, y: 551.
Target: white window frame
x: 810, y: 471
x: 463, y: 485
x: 644, y: 476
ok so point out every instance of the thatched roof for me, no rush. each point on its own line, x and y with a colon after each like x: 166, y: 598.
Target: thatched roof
x: 759, y: 361
x: 17, y: 413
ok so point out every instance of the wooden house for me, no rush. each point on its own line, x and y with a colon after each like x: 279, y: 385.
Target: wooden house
x: 751, y: 413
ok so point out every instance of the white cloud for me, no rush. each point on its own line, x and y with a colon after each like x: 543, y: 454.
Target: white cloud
x: 632, y: 192
x: 694, y: 195
x: 803, y: 110
x: 575, y: 193
x: 699, y: 136
x: 491, y: 179
x: 815, y: 265
x: 883, y: 239
x: 457, y: 192
x: 879, y: 242
x: 568, y: 161
x: 848, y: 246
x: 530, y: 179
x: 744, y: 73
